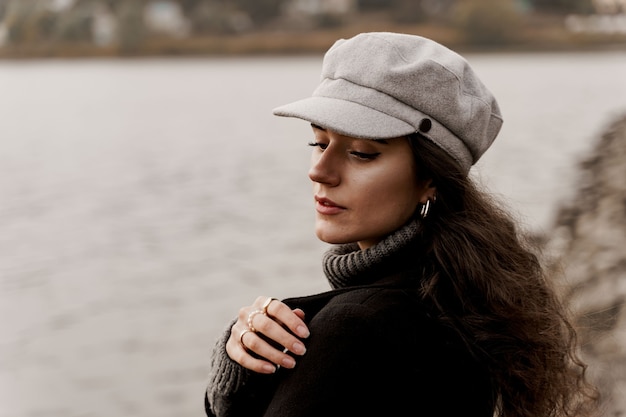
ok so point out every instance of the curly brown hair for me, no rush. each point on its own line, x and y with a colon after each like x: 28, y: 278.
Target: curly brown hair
x: 486, y: 282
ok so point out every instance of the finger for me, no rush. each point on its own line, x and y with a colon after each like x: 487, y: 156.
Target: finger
x: 238, y: 353
x: 274, y: 331
x: 298, y: 312
x: 289, y: 318
x: 252, y: 352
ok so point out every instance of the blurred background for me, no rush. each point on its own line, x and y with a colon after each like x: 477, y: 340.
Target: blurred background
x: 147, y: 192
x: 35, y: 28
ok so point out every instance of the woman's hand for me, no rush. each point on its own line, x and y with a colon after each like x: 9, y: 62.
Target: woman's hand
x: 275, y: 321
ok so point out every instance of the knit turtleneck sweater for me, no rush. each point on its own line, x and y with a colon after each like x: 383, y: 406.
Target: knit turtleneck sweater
x: 347, y: 265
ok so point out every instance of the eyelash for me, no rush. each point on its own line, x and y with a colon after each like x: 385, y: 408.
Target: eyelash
x: 322, y: 146
x: 360, y: 155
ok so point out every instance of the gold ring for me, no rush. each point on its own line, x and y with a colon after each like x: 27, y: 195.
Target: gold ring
x: 267, y: 303
x: 250, y: 317
x: 241, y: 337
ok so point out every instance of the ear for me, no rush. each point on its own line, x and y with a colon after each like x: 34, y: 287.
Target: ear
x: 428, y: 191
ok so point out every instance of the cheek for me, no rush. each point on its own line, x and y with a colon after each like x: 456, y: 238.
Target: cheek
x: 395, y: 193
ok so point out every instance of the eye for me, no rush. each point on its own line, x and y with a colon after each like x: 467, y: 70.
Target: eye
x: 365, y: 156
x: 322, y: 146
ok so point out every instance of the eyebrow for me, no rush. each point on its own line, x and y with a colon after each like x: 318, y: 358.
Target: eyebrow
x: 383, y: 141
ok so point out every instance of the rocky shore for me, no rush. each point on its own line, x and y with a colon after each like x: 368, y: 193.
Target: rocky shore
x: 586, y: 253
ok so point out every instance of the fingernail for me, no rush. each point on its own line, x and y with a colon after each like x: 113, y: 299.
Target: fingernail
x: 298, y: 348
x: 288, y: 363
x: 303, y: 331
x: 269, y: 369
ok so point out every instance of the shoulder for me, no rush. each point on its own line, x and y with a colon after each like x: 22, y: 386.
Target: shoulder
x: 363, y: 336
x: 370, y: 313
x: 380, y: 303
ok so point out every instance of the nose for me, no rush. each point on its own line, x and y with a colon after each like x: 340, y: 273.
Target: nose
x: 324, y: 168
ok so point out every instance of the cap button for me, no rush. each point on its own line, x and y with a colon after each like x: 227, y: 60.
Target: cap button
x: 425, y: 125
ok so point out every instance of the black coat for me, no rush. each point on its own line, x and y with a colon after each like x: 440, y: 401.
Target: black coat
x: 374, y: 350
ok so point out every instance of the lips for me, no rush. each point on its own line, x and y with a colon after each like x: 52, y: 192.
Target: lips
x: 326, y: 206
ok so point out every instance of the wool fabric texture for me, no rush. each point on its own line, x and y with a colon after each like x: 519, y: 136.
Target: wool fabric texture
x: 384, y: 85
x: 225, y: 376
x: 346, y: 265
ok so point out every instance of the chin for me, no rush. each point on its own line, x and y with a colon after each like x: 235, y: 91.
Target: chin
x: 336, y: 238
x: 332, y: 239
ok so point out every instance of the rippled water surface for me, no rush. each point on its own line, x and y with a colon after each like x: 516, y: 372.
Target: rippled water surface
x: 143, y: 201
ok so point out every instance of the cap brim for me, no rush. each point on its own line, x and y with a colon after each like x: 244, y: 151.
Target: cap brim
x: 346, y: 118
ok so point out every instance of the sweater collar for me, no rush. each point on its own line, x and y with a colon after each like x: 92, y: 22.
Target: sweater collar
x: 347, y: 265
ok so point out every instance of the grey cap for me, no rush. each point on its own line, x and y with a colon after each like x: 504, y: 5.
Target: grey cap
x: 384, y: 85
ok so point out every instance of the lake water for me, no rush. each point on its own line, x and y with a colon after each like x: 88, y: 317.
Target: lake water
x: 144, y: 201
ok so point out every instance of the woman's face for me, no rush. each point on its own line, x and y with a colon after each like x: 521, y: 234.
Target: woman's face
x: 364, y: 189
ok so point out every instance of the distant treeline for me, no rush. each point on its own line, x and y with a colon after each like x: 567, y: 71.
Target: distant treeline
x: 129, y: 24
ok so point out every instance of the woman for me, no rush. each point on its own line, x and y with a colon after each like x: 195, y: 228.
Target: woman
x: 437, y: 306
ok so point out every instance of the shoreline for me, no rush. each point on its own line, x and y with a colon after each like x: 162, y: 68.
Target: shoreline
x: 287, y: 43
